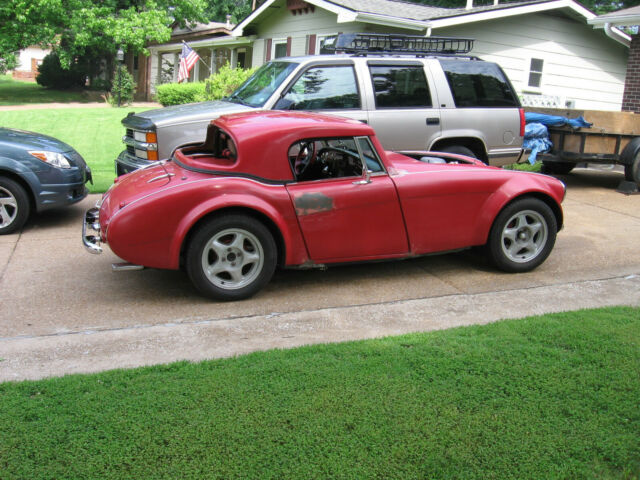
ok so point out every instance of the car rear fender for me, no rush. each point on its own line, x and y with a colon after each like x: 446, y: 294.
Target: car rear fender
x: 508, y: 193
x: 283, y: 225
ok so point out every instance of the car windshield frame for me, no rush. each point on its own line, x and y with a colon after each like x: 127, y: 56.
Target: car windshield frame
x: 259, y: 87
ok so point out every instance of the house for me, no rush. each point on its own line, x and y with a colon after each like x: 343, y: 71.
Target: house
x: 212, y: 41
x: 628, y: 17
x: 551, y: 54
x: 28, y: 62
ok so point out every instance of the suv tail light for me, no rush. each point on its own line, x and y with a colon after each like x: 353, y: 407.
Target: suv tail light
x: 522, y: 122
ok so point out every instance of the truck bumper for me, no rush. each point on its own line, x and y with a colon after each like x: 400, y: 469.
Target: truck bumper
x: 127, y: 163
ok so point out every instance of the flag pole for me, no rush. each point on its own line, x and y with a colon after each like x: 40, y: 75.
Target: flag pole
x: 200, y: 58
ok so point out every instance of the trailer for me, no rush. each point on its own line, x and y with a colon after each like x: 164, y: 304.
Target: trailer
x: 614, y: 138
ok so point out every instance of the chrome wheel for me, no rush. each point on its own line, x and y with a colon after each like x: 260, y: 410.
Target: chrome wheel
x: 232, y: 258
x: 524, y: 236
x: 8, y: 208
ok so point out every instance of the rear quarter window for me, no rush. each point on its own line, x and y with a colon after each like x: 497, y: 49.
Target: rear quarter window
x: 478, y: 84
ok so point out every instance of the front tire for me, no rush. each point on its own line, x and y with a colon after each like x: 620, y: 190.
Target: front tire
x: 231, y: 257
x: 14, y: 206
x: 522, y: 235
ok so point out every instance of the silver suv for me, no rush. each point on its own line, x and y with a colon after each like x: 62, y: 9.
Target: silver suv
x: 418, y: 93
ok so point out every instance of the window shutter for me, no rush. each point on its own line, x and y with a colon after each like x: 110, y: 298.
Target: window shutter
x: 312, y: 45
x: 268, y: 50
x: 288, y: 46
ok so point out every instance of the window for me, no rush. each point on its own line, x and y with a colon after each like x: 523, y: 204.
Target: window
x: 535, y: 73
x: 321, y: 39
x: 400, y: 86
x: 260, y: 86
x: 478, y: 84
x: 323, y: 88
x: 279, y: 48
x: 318, y: 159
x: 204, y: 64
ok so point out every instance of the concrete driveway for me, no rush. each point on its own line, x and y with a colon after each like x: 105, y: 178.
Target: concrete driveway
x: 63, y: 310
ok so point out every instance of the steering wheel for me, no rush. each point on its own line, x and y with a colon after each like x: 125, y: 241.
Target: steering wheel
x: 305, y: 158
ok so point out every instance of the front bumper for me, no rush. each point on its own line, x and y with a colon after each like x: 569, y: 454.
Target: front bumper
x: 127, y: 163
x: 91, y: 223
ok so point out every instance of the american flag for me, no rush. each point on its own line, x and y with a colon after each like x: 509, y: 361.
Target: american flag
x: 188, y: 59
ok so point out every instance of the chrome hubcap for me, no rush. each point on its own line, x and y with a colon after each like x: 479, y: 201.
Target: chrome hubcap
x: 232, y: 259
x: 524, y: 236
x: 8, y: 208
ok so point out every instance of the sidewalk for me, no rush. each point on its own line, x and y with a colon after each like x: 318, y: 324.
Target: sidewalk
x: 43, y: 106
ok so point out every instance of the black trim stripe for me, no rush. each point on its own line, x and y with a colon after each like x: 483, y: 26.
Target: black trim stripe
x: 223, y: 173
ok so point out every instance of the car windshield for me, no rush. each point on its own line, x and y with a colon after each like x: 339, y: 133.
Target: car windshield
x: 260, y: 86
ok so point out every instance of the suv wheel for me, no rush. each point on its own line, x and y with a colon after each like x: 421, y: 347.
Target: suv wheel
x: 459, y: 150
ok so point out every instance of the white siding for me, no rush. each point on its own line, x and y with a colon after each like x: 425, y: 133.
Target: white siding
x: 279, y: 23
x: 581, y: 64
x: 24, y: 59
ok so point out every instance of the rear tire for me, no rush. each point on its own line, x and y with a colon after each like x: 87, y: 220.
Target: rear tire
x: 231, y: 257
x: 458, y: 150
x: 14, y: 206
x: 522, y: 235
x: 632, y: 171
x: 557, y: 168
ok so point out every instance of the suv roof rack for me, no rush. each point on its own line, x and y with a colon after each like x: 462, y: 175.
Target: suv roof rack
x: 384, y: 43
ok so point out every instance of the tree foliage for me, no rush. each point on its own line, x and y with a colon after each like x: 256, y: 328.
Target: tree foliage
x: 217, y: 10
x: 90, y: 28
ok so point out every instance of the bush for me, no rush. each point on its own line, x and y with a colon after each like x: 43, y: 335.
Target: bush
x: 225, y: 81
x: 52, y: 75
x: 122, y: 88
x: 179, y: 93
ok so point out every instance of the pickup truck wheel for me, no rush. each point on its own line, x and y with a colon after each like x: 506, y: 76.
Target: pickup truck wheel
x: 632, y: 171
x: 558, y: 168
x: 522, y: 235
x: 231, y: 257
x: 459, y: 150
x: 14, y: 206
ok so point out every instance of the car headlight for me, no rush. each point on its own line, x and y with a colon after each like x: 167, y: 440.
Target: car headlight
x: 54, y: 159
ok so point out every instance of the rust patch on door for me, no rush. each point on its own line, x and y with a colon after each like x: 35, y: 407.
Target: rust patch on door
x: 310, y: 203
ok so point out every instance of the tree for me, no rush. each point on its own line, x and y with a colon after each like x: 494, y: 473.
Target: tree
x: 217, y: 10
x: 90, y: 28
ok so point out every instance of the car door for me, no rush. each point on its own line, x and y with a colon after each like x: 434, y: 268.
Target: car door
x: 346, y: 215
x: 404, y: 116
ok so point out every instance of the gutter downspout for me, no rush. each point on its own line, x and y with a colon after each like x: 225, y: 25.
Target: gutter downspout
x: 616, y: 35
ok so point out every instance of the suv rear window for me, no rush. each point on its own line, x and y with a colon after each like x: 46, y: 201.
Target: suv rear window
x: 478, y: 84
x: 400, y: 86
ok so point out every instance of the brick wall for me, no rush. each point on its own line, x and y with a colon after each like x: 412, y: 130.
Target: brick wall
x: 631, y: 97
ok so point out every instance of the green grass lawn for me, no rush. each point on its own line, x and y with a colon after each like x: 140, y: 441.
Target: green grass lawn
x: 545, y: 397
x: 94, y: 132
x: 15, y: 92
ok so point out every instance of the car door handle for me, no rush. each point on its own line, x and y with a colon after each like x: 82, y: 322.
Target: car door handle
x: 433, y: 121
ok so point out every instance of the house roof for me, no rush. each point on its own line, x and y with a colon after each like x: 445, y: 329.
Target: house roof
x: 626, y: 17
x: 402, y: 14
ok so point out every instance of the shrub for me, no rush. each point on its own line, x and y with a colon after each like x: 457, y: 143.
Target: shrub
x: 225, y: 81
x: 179, y: 93
x: 122, y: 87
x: 52, y: 75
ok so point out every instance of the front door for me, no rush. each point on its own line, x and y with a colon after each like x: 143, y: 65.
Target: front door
x: 344, y: 214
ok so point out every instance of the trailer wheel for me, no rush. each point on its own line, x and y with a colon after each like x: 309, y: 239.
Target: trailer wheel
x: 632, y: 170
x: 558, y: 168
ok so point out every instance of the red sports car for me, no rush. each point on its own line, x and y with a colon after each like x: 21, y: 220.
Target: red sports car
x: 270, y: 189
